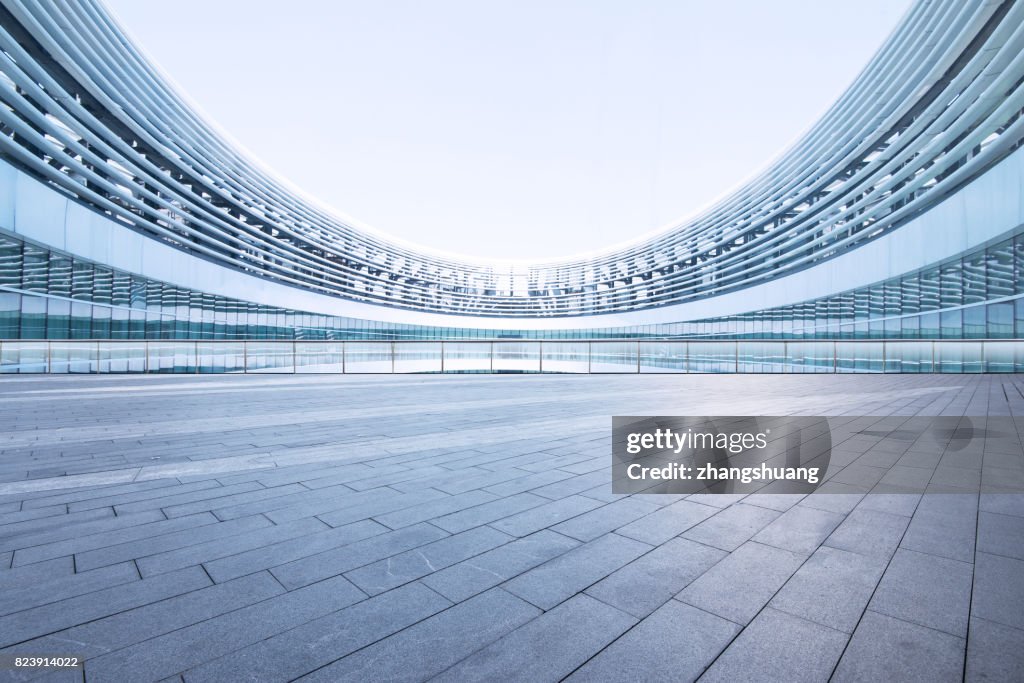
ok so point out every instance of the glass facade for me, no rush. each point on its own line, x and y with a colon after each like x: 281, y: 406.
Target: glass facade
x: 579, y: 357
x: 100, y: 128
x: 869, y: 241
x: 48, y: 295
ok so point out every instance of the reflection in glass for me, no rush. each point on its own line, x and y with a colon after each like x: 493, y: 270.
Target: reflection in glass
x: 764, y: 357
x: 908, y: 357
x: 613, y: 357
x: 73, y: 357
x: 811, y: 357
x: 516, y: 356
x: 171, y: 357
x: 712, y: 357
x: 959, y: 357
x: 859, y: 356
x: 315, y: 357
x: 269, y: 357
x: 121, y: 357
x: 418, y: 357
x: 565, y: 357
x: 663, y: 357
x: 221, y: 357
x: 23, y: 357
x: 467, y: 356
x: 368, y: 357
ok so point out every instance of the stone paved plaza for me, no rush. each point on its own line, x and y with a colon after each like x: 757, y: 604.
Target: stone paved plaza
x: 347, y: 528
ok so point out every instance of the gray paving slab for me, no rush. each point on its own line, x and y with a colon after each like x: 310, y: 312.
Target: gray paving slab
x: 559, y: 641
x: 258, y: 496
x: 103, y: 539
x: 291, y: 550
x: 530, y: 481
x: 568, y: 487
x: 944, y: 525
x: 426, y: 559
x: 668, y: 522
x: 869, y: 532
x: 486, y: 570
x: 779, y: 647
x: 425, y: 511
x: 926, y: 589
x: 998, y: 590
x: 72, y: 496
x: 184, y: 648
x: 19, y: 577
x: 341, y: 472
x: 1003, y: 503
x: 324, y: 501
x: 832, y: 588
x: 994, y: 652
x: 904, y: 504
x: 123, y: 496
x: 76, y: 527
x: 323, y: 640
x: 731, y: 527
x: 355, y: 513
x: 600, y: 521
x: 740, y: 585
x: 568, y: 574
x: 174, y: 499
x: 675, y: 643
x: 57, y: 616
x: 799, y: 529
x: 488, y: 512
x: 1001, y: 534
x: 16, y: 515
x: 59, y: 588
x: 884, y: 648
x: 313, y: 568
x: 434, y: 644
x: 136, y: 625
x: 202, y: 552
x: 112, y: 554
x: 773, y: 501
x: 544, y: 516
x: 648, y: 582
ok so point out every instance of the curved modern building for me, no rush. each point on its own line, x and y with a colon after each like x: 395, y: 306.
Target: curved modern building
x: 899, y: 216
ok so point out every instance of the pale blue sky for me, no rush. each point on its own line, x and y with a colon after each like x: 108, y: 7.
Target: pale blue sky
x: 527, y: 129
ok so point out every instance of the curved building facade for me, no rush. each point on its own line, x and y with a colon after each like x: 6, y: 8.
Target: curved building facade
x: 898, y: 216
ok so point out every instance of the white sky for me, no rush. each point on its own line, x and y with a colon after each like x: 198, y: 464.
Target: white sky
x: 526, y: 129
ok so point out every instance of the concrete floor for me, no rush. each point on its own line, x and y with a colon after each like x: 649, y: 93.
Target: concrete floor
x: 463, y: 527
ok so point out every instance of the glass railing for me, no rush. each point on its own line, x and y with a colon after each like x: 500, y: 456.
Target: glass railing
x: 569, y: 357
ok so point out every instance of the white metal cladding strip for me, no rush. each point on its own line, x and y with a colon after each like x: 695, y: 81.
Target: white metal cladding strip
x: 937, y: 107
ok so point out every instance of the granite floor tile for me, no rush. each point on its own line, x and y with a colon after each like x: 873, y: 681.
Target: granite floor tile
x: 994, y: 652
x: 739, y: 586
x: 832, y: 588
x: 884, y: 648
x: 574, y: 571
x: 434, y: 644
x: 475, y: 575
x: 547, y: 648
x: 323, y: 640
x: 927, y: 590
x: 674, y: 644
x: 426, y: 559
x: 779, y: 647
x: 731, y: 527
x: 648, y: 582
